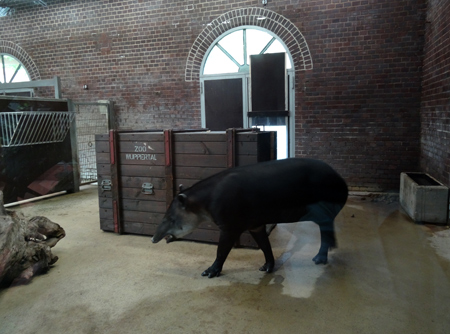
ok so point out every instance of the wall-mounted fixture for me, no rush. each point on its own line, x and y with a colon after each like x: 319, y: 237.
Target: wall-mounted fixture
x: 85, y: 87
x: 264, y: 2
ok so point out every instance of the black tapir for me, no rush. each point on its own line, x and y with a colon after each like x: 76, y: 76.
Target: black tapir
x: 249, y: 197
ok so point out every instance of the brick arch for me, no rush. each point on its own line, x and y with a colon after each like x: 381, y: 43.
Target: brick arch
x: 277, y: 24
x: 21, y: 55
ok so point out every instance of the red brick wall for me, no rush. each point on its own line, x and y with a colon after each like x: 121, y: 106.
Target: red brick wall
x: 435, y: 113
x: 358, y: 108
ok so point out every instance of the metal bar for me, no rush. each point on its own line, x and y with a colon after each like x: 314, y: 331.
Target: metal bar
x: 29, y: 84
x: 13, y: 137
x: 34, y: 127
x: 55, y: 83
x: 283, y: 113
x: 231, y: 147
x: 15, y: 73
x: 116, y: 217
x: 115, y: 177
x: 267, y: 46
x: 168, y: 149
x: 244, y: 37
x: 111, y: 147
x: 191, y: 130
x: 228, y: 55
x: 4, y: 70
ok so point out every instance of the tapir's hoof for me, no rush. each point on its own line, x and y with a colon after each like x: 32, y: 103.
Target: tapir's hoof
x: 211, y: 272
x: 268, y: 267
x: 320, y: 259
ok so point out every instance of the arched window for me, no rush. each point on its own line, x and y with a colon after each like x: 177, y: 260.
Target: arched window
x: 12, y: 70
x: 226, y: 89
x: 231, y: 54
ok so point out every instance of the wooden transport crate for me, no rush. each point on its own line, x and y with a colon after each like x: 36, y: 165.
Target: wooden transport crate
x: 139, y: 173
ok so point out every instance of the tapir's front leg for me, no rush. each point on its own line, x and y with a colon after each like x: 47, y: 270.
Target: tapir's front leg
x: 226, y: 243
x: 262, y: 239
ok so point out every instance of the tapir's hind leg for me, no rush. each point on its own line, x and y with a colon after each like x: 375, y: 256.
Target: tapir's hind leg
x: 327, y: 241
x: 323, y: 214
x: 262, y: 239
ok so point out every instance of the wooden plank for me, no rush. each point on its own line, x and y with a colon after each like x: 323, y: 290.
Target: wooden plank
x: 102, y: 146
x: 146, y: 206
x: 105, y: 203
x: 196, y: 173
x: 137, y: 194
x: 143, y: 217
x: 103, y: 169
x: 140, y: 228
x: 149, y: 147
x: 106, y: 214
x: 247, y: 147
x: 193, y: 160
x: 103, y: 193
x: 137, y: 181
x: 142, y: 171
x: 148, y: 159
x: 243, y: 160
x: 217, y: 136
x: 103, y: 158
x: 102, y: 137
x: 107, y: 225
x: 247, y: 136
x: 142, y: 136
x: 202, y: 147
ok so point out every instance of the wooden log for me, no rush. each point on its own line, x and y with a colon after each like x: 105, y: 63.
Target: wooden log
x: 25, y: 246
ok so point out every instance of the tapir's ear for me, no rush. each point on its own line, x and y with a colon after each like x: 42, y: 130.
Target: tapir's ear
x: 182, y: 198
x: 180, y: 187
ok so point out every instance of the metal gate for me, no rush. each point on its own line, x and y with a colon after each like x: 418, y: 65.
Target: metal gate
x: 91, y: 119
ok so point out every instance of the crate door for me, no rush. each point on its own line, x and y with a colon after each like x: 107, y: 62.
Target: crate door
x: 223, y: 101
x: 142, y: 181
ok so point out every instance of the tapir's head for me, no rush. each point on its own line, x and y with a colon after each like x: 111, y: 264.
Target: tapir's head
x: 182, y: 217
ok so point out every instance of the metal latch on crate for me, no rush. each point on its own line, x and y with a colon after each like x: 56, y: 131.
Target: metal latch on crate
x: 147, y: 188
x: 106, y: 185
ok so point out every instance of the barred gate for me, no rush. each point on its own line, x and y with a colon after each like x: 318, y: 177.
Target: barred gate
x: 91, y: 119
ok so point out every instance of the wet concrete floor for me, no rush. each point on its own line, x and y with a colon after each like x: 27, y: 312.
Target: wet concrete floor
x: 388, y: 275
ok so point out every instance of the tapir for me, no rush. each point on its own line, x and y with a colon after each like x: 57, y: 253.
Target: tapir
x: 249, y: 197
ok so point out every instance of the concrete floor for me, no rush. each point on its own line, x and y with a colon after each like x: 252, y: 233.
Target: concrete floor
x: 388, y: 275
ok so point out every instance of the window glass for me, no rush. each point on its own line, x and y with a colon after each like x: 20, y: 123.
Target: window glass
x: 12, y: 70
x: 218, y: 62
x: 234, y: 45
x: 257, y: 41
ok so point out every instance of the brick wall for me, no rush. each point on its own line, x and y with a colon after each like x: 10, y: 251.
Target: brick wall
x: 435, y: 113
x: 358, y: 108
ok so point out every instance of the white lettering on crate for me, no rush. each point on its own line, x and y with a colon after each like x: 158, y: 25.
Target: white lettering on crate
x: 142, y: 148
x: 140, y: 156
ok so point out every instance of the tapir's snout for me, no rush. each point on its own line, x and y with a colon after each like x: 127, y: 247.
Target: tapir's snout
x: 168, y: 237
